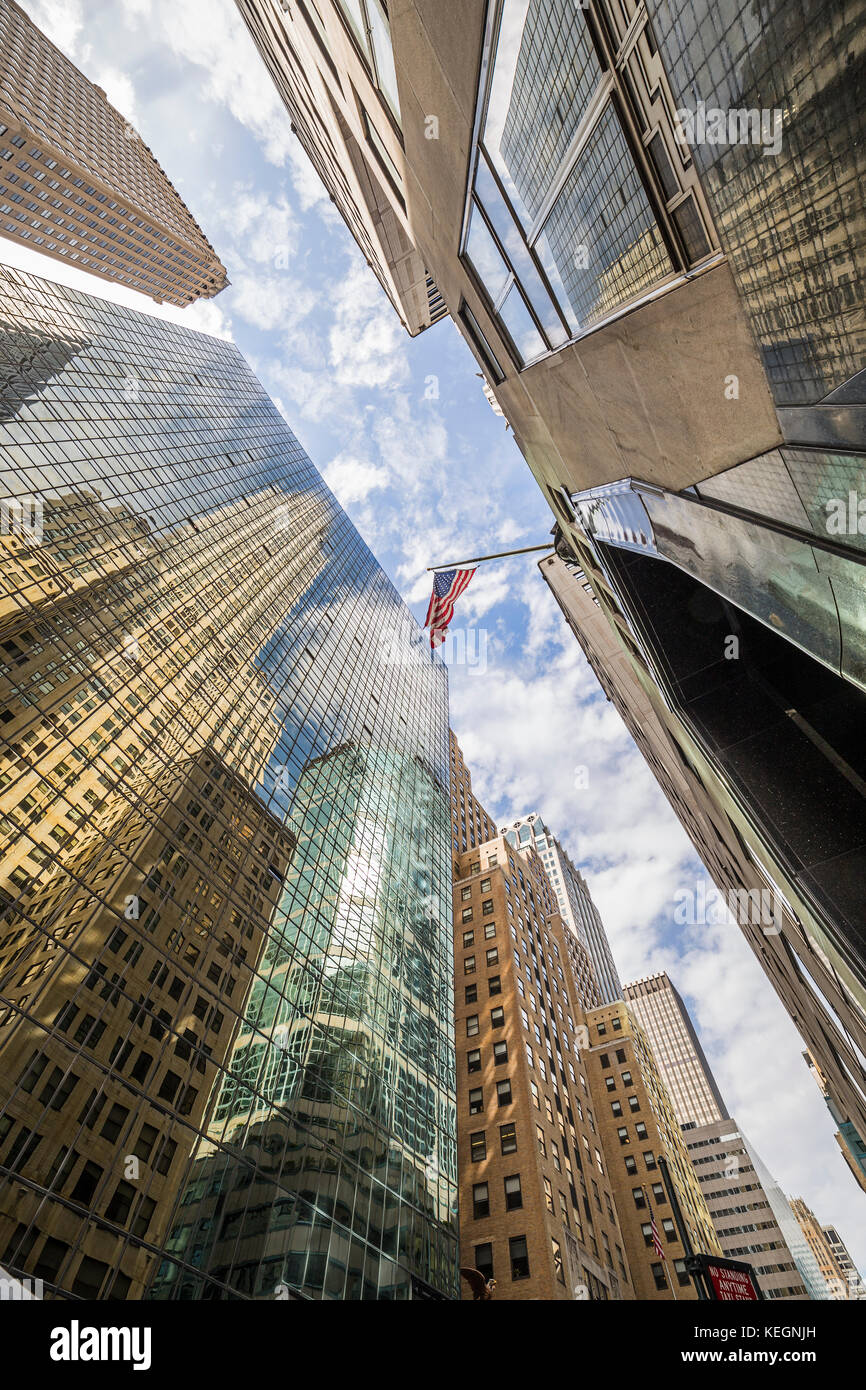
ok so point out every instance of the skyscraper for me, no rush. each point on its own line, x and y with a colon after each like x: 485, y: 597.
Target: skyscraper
x: 835, y: 1276
x: 537, y: 1212
x: 853, y: 1278
x: 576, y: 907
x: 637, y: 1127
x: 78, y: 183
x: 656, y: 256
x: 352, y: 131
x: 226, y: 1026
x: 663, y: 1016
x: 751, y: 1214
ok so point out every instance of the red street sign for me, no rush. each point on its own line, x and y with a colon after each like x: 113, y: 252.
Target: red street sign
x: 732, y: 1285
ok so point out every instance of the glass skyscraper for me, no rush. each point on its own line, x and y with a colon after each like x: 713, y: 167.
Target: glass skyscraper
x: 226, y: 1030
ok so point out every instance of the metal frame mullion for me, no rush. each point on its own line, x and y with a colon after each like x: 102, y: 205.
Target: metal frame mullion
x: 512, y: 280
x: 529, y: 249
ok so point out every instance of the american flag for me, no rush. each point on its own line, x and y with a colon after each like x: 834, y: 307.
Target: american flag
x: 448, y: 585
x: 656, y: 1239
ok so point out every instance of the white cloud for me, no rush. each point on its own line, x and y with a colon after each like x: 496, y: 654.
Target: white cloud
x: 366, y: 347
x: 352, y: 479
x: 211, y: 36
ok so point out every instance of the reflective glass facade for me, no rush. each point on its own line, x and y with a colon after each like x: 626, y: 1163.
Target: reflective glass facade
x: 794, y: 223
x: 581, y: 200
x: 226, y: 1057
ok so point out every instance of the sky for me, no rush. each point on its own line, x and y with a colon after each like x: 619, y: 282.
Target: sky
x: 407, y: 441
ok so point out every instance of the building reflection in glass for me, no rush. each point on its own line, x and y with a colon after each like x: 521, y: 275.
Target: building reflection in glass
x: 195, y: 630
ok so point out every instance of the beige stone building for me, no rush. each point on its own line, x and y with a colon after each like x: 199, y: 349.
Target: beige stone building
x: 638, y: 1126
x: 834, y: 1274
x: 537, y: 1212
x: 78, y: 183
x: 738, y: 1198
x: 656, y: 1004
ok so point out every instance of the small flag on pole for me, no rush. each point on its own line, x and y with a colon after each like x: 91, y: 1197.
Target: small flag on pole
x: 656, y: 1239
x: 448, y: 585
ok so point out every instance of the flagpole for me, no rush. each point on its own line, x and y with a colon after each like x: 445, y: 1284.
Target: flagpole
x: 479, y: 559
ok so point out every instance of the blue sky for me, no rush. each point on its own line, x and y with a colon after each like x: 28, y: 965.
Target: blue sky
x: 403, y: 434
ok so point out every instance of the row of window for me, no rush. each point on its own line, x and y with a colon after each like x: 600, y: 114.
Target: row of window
x: 478, y: 1142
x: 494, y: 986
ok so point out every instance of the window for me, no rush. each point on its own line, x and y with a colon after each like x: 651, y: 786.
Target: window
x: 473, y: 1060
x: 485, y: 885
x: 639, y: 1197
x: 513, y: 1193
x: 680, y: 1271
x: 640, y: 1130
x: 476, y: 1101
x: 508, y: 1138
x: 626, y: 1078
x: 500, y: 1053
x: 497, y: 1018
x: 602, y: 1029
x: 535, y: 1095
x: 480, y: 1201
x: 494, y: 984
x: 630, y: 1164
x: 87, y: 1183
x: 659, y: 1194
x: 489, y: 930
x: 478, y: 1146
x: 548, y: 1194
x: 519, y: 1257
x: 557, y: 1261
x: 542, y: 1143
x: 610, y: 1083
x: 669, y: 1229
x: 471, y: 994
x: 647, y: 1233
x: 466, y: 894
x: 620, y: 1054
x: 649, y: 1160
x: 114, y: 1122
x: 472, y: 1026
x: 88, y: 1280
x: 484, y: 1260
x: 503, y: 1092
x: 604, y: 1059
x: 622, y: 1134
x: 492, y: 956
x: 616, y: 1109
x: 633, y: 1104
x: 468, y: 965
x: 658, y: 1273
x: 489, y: 361
x: 468, y: 938
x: 617, y: 1025
x: 119, y: 1207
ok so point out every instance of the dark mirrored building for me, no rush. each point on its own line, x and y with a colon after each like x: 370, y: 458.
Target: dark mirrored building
x: 225, y: 951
